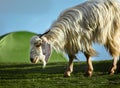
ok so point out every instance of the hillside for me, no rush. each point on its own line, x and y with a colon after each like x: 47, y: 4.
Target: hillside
x: 14, y: 48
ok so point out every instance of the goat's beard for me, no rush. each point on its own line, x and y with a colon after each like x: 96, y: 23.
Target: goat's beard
x: 42, y: 59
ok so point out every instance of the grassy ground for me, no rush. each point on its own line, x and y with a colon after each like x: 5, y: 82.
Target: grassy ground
x: 33, y: 76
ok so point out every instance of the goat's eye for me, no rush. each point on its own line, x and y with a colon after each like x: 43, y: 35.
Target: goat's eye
x: 37, y: 45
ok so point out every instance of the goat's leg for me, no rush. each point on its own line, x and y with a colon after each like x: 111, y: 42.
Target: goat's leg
x: 114, y: 65
x: 90, y: 66
x: 70, y: 66
x: 114, y: 50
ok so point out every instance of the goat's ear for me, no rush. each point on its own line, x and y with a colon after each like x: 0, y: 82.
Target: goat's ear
x: 36, y: 41
x: 39, y: 35
x: 47, y: 50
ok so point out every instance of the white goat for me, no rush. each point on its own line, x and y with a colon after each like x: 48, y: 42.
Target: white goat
x: 95, y: 21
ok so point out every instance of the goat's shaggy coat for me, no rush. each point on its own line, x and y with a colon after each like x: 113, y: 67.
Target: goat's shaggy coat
x: 95, y: 21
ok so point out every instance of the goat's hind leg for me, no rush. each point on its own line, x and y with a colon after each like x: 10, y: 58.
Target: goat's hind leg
x: 114, y: 51
x: 114, y: 65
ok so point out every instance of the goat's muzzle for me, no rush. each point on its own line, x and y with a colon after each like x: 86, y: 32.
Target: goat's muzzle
x: 34, y: 60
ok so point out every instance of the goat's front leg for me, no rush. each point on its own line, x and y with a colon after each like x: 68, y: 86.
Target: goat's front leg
x: 90, y: 66
x: 114, y: 65
x: 70, y: 66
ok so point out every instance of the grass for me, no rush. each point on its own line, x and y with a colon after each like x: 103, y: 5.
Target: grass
x: 33, y: 76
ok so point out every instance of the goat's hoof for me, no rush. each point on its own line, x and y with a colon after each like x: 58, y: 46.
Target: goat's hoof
x: 111, y: 72
x: 88, y: 74
x: 67, y: 74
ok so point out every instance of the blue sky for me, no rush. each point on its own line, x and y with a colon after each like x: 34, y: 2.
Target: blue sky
x: 37, y: 16
x: 31, y: 15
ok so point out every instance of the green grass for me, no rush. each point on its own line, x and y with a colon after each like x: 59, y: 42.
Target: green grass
x: 14, y: 48
x: 33, y: 76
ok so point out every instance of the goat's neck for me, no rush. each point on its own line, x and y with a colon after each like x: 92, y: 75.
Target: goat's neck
x: 56, y: 38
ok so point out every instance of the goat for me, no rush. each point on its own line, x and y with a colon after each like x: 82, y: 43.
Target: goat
x: 94, y: 21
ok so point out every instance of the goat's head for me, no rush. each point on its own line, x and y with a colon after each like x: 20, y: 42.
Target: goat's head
x: 40, y: 50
